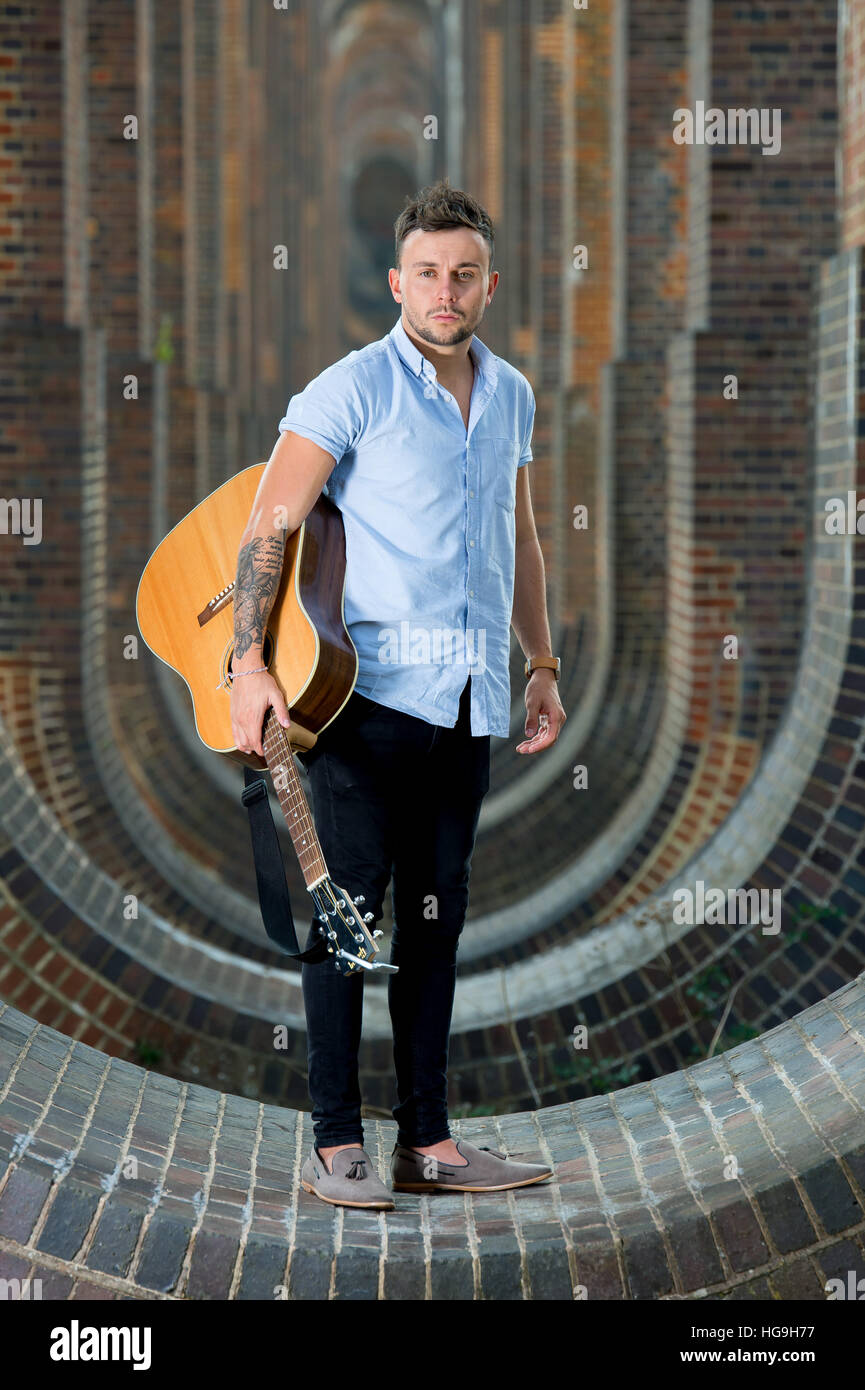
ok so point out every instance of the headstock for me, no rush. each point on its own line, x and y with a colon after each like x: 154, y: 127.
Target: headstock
x: 348, y: 938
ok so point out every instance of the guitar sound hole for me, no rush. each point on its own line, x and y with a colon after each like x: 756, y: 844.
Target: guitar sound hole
x: 266, y: 650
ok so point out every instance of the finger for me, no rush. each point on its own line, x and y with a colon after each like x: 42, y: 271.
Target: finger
x: 534, y: 726
x: 533, y: 747
x: 541, y: 739
x: 248, y: 744
x: 546, y: 733
x: 279, y: 708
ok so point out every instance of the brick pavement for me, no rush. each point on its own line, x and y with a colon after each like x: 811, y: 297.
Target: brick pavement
x: 742, y: 1177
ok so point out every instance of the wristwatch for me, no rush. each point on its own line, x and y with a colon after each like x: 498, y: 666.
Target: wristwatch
x: 551, y: 663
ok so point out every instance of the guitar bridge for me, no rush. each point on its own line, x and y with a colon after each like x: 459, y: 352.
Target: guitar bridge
x: 216, y: 604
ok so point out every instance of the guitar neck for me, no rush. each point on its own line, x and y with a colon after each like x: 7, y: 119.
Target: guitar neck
x: 286, y: 783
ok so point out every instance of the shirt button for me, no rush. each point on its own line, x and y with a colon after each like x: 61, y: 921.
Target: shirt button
x: 471, y: 492
x: 471, y: 593
x: 471, y: 542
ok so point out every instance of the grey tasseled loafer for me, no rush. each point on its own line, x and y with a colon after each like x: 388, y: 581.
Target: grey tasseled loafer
x: 485, y: 1170
x: 352, y: 1183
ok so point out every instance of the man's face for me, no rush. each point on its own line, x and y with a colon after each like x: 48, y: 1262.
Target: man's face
x: 443, y: 285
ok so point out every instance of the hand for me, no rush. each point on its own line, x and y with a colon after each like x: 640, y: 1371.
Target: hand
x: 544, y: 713
x: 251, y: 697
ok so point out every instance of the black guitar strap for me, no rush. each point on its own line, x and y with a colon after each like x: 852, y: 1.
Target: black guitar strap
x: 273, y: 893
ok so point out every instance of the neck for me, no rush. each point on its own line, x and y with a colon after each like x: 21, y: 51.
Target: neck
x: 451, y: 363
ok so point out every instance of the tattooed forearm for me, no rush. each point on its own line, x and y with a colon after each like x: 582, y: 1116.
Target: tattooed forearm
x: 259, y: 569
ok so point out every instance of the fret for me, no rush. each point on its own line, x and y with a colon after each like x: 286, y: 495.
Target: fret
x: 194, y: 565
x: 280, y: 761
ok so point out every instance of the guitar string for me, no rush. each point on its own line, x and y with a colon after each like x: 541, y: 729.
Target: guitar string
x: 275, y: 734
x: 309, y: 853
x: 294, y: 795
x: 298, y: 800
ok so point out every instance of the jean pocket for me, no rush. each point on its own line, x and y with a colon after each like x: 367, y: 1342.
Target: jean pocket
x: 343, y: 778
x: 307, y: 756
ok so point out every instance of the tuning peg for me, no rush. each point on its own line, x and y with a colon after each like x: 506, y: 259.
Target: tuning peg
x: 360, y: 898
x: 369, y: 916
x: 377, y: 934
x: 360, y: 964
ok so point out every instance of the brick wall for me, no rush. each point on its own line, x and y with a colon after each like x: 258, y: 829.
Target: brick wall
x: 154, y: 258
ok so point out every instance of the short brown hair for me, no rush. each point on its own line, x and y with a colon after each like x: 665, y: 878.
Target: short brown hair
x: 437, y: 207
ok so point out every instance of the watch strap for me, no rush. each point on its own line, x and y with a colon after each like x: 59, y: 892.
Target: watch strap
x: 550, y: 663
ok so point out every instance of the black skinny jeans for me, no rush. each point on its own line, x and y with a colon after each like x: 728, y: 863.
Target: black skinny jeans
x: 393, y: 795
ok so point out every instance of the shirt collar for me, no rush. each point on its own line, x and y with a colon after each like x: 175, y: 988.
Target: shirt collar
x: 420, y: 365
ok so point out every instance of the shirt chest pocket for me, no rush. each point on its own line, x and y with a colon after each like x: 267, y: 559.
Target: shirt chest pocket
x: 498, y: 470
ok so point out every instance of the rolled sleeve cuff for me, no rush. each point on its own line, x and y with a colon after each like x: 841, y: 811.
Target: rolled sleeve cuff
x: 324, y: 441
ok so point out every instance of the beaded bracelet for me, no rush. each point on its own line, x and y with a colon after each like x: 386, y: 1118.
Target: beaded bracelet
x: 230, y: 674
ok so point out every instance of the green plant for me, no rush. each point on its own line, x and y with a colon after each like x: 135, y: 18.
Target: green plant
x: 816, y: 910
x: 148, y: 1054
x: 600, y: 1076
x: 468, y: 1112
x: 737, y: 1033
x: 164, y: 350
x: 806, y: 913
x: 709, y: 988
x: 731, y: 1037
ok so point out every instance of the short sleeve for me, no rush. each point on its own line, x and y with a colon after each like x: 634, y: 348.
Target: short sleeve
x: 526, y: 455
x: 329, y: 411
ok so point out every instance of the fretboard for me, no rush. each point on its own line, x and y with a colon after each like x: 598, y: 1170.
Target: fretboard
x: 295, y: 807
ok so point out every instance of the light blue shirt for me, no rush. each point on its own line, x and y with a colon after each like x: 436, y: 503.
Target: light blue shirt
x: 428, y: 509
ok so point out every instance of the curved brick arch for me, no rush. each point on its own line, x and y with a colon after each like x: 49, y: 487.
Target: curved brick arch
x: 753, y: 771
x: 742, y: 1177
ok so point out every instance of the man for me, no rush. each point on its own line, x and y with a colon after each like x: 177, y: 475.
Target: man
x: 422, y: 439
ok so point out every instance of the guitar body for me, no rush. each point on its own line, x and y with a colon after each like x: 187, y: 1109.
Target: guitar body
x: 185, y: 612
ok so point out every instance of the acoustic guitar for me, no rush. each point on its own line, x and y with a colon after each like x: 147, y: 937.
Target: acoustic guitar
x: 185, y: 612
